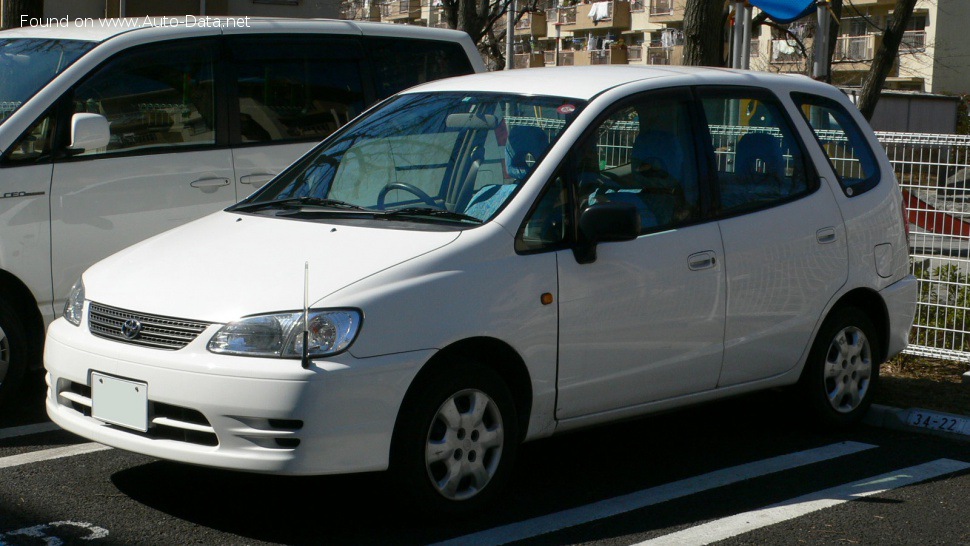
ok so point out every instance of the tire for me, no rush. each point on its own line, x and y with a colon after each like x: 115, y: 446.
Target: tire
x: 13, y: 352
x: 455, y: 441
x: 842, y: 369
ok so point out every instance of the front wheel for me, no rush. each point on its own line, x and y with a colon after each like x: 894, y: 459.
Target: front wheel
x: 842, y: 368
x: 455, y: 440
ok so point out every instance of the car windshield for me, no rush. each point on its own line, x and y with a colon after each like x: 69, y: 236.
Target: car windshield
x: 28, y: 64
x: 440, y: 157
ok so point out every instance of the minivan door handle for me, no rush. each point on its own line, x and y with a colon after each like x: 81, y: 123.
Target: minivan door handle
x: 257, y: 180
x: 210, y: 185
x: 825, y: 235
x: 701, y: 260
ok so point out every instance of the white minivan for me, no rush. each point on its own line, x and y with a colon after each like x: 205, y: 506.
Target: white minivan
x: 491, y: 259
x: 112, y: 131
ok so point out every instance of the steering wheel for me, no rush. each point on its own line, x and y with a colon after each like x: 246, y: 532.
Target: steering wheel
x: 410, y: 188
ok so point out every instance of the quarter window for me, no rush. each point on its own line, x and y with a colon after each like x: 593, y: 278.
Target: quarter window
x: 33, y: 147
x: 159, y: 97
x: 400, y: 63
x: 759, y: 162
x: 843, y: 142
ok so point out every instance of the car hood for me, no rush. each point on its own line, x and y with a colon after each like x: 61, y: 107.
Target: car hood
x: 229, y: 265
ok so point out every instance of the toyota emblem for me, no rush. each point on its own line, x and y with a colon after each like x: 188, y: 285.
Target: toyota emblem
x: 131, y: 328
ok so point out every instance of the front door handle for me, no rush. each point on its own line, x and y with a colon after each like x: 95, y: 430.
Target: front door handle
x: 257, y: 180
x: 701, y: 260
x: 825, y: 235
x: 210, y: 185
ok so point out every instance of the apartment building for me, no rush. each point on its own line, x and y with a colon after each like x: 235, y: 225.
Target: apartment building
x: 934, y: 56
x: 74, y: 9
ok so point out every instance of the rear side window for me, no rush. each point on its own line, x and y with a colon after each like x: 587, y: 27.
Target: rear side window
x: 759, y: 162
x: 155, y: 97
x: 398, y: 63
x: 295, y: 88
x: 843, y: 142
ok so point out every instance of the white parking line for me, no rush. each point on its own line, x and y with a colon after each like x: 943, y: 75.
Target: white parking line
x: 26, y: 430
x: 749, y: 521
x: 48, y: 454
x: 656, y: 495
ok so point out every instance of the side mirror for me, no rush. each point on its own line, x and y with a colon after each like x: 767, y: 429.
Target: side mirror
x: 88, y: 132
x: 604, y: 223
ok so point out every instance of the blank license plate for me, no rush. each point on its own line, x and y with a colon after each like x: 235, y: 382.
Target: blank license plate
x: 119, y: 401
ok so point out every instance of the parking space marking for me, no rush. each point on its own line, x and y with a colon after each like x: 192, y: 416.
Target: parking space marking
x: 49, y: 454
x: 648, y: 497
x: 749, y: 521
x: 27, y: 430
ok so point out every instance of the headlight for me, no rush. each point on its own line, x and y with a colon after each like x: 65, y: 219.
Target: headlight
x: 281, y: 335
x: 74, y: 307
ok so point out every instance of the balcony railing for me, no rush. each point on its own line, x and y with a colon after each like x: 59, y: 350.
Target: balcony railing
x: 599, y: 56
x: 855, y: 48
x: 567, y: 15
x: 657, y: 55
x: 566, y: 58
x: 661, y: 7
x: 634, y: 54
x: 638, y: 5
x: 755, y: 47
x: 549, y: 57
x: 913, y: 40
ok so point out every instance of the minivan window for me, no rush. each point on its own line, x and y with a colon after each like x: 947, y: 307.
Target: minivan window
x: 842, y: 141
x: 28, y: 64
x: 759, y: 161
x: 461, y: 153
x: 292, y: 88
x: 401, y: 63
x: 155, y: 98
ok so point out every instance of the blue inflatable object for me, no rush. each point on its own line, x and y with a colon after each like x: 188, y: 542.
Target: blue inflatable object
x: 785, y: 11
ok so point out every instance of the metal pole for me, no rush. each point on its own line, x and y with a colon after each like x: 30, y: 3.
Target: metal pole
x: 820, y: 70
x: 746, y: 38
x: 121, y: 8
x: 509, y: 35
x: 738, y: 34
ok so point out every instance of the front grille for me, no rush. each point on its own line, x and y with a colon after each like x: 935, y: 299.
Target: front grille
x: 156, y: 331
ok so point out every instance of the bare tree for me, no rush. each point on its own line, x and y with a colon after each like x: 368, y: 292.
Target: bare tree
x: 885, y: 57
x: 704, y: 32
x: 484, y: 21
x: 13, y: 10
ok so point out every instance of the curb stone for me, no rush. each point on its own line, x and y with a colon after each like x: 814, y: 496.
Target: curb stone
x: 946, y: 425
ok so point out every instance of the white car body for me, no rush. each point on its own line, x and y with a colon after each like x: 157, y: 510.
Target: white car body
x: 744, y: 320
x: 61, y: 215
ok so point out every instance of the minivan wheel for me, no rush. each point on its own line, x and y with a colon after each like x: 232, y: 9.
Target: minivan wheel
x: 13, y: 352
x: 455, y: 441
x: 842, y: 369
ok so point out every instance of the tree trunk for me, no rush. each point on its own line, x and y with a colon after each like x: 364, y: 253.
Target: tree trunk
x: 13, y: 10
x: 704, y: 33
x: 885, y: 57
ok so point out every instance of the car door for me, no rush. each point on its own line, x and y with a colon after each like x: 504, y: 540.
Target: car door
x: 784, y: 240
x: 289, y: 93
x: 644, y: 321
x: 167, y: 161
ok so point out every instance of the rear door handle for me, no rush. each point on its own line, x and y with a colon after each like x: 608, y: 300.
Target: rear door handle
x: 257, y: 180
x: 209, y: 185
x: 825, y: 235
x: 701, y: 260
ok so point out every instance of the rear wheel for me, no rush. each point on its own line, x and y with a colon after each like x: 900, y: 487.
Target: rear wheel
x: 455, y: 440
x: 13, y: 352
x: 843, y: 368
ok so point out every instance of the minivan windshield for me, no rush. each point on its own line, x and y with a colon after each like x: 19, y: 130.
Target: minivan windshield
x: 437, y: 157
x: 28, y: 64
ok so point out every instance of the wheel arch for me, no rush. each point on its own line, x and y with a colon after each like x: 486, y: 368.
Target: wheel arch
x: 871, y: 303
x: 18, y: 296
x: 492, y: 353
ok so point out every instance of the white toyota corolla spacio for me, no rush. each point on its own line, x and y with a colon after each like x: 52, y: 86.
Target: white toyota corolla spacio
x: 491, y: 259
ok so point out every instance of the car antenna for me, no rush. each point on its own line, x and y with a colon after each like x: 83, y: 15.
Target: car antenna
x: 306, y: 315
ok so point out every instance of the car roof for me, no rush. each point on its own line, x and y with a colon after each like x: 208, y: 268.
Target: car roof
x: 100, y: 30
x: 586, y: 82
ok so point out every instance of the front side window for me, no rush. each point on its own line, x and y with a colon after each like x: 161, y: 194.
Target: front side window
x: 399, y: 63
x: 443, y: 155
x: 759, y: 161
x: 644, y: 154
x: 296, y: 88
x: 159, y: 97
x: 843, y: 142
x: 28, y: 64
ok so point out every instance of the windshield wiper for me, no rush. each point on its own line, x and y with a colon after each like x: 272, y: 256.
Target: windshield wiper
x: 304, y: 201
x: 429, y: 211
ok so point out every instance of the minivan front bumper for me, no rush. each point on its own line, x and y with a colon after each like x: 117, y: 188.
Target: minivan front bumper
x: 336, y: 417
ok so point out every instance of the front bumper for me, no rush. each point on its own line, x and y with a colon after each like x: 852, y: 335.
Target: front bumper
x: 900, y: 298
x: 251, y: 414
